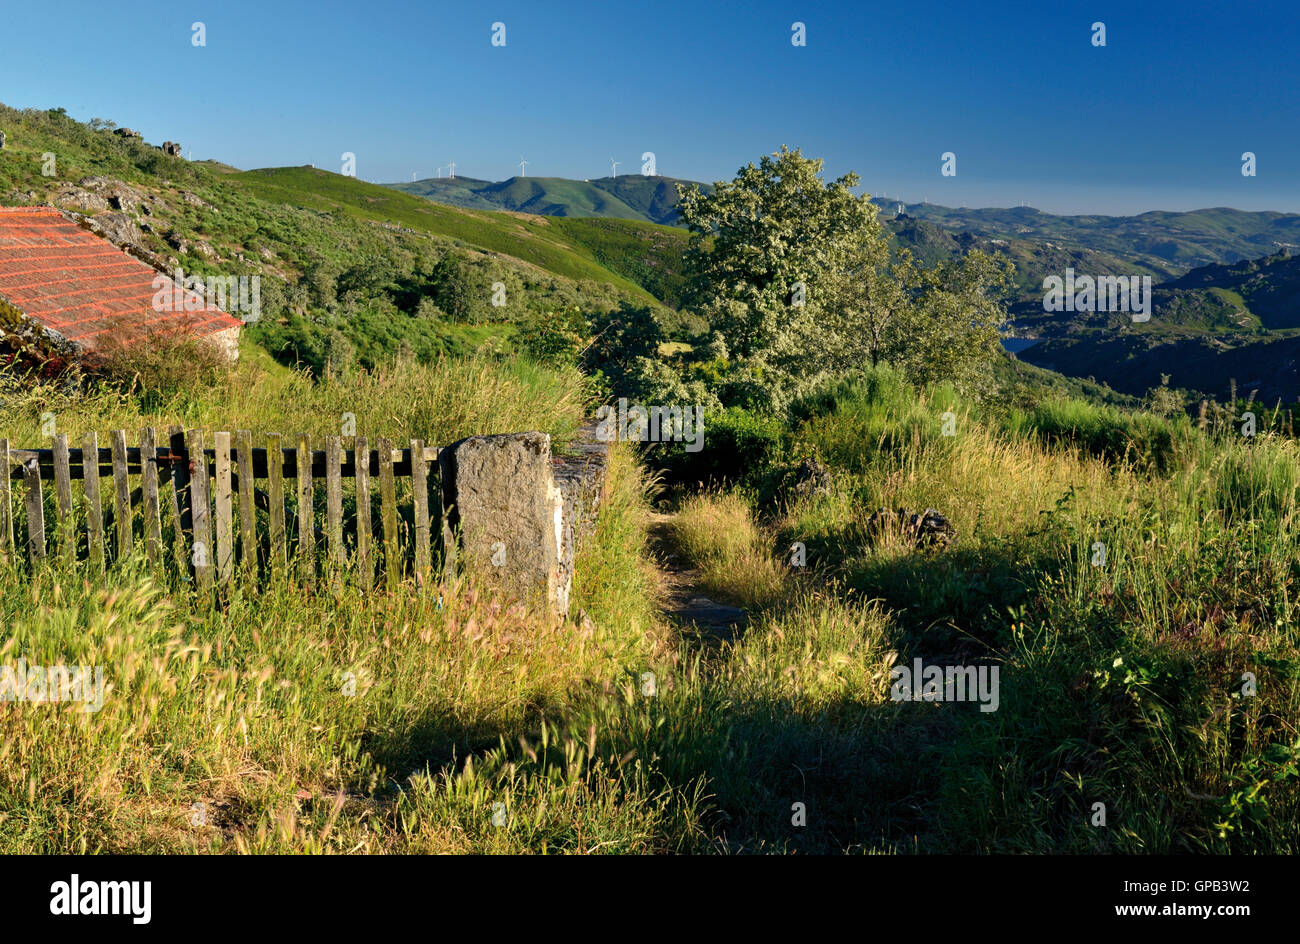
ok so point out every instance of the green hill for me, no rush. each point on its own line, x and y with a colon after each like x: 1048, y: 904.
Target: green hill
x: 1212, y: 326
x: 533, y: 241
x: 630, y: 197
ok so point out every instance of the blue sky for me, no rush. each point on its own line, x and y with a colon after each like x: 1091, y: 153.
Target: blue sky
x: 1157, y: 119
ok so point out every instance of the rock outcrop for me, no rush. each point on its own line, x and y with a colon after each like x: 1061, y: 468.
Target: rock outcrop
x: 929, y: 528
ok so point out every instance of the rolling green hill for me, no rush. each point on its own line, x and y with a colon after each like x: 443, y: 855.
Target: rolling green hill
x: 630, y: 197
x: 931, y: 243
x: 533, y: 240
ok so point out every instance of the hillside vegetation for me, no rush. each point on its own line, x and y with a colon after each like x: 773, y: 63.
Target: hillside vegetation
x: 352, y: 272
x: 877, y: 484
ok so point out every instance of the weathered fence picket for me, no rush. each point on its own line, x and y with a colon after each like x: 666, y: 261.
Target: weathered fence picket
x: 94, y: 511
x: 247, y: 510
x: 121, y: 495
x: 207, y: 483
x: 35, y: 511
x: 275, y: 484
x: 361, y: 463
x: 199, y: 503
x: 149, y: 494
x: 420, y: 501
x: 224, y: 510
x: 306, y: 522
x: 63, y: 495
x: 388, y: 507
x: 6, y: 512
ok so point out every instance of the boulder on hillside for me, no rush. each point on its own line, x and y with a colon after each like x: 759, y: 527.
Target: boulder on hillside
x: 929, y: 528
x: 812, y: 478
x: 68, y: 197
x: 120, y: 196
x: 120, y: 229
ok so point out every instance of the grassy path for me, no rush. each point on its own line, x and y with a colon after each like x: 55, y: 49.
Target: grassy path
x: 681, y: 598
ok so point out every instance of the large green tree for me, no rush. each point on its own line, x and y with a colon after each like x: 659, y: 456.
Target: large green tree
x: 762, y: 252
x: 799, y: 284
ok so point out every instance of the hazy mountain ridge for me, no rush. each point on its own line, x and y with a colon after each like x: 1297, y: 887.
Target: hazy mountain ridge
x: 650, y: 199
x: 1158, y: 239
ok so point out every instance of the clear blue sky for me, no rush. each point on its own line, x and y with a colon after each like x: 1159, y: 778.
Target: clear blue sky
x: 1158, y: 119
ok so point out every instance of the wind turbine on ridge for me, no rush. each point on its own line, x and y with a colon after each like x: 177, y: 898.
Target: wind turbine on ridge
x: 614, y: 167
x: 523, y: 165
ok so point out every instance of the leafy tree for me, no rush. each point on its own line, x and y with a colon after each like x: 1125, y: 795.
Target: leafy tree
x: 428, y: 310
x: 939, y: 324
x: 763, y: 252
x: 453, y: 290
x: 621, y: 341
x: 798, y: 281
x: 555, y: 336
x: 372, y: 275
x: 953, y: 335
x: 870, y: 308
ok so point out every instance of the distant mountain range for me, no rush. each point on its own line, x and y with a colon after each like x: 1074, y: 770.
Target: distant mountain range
x: 1212, y: 326
x: 1159, y: 243
x: 630, y: 197
x: 1159, y: 240
x: 1227, y: 288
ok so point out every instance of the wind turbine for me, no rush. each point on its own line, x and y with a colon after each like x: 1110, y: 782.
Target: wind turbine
x: 440, y: 173
x: 451, y: 170
x: 523, y: 164
x: 614, y: 166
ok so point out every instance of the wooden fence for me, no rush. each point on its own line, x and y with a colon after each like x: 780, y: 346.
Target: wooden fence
x: 191, y: 525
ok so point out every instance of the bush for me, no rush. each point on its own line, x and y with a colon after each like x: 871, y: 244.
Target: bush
x: 851, y: 421
x: 739, y: 446
x: 1103, y: 431
x: 161, y: 366
x: 555, y: 337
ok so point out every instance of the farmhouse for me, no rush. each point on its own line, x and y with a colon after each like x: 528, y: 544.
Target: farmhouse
x: 64, y: 285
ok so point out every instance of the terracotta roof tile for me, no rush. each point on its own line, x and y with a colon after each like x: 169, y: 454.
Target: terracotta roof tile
x: 76, y: 283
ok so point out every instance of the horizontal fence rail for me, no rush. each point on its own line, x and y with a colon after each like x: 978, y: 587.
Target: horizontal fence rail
x: 182, y: 512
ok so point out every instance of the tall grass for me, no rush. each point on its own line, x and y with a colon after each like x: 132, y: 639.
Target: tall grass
x: 1143, y: 622
x: 440, y: 401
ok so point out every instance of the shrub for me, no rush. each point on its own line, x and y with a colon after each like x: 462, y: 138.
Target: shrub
x: 161, y: 365
x: 851, y: 421
x: 1105, y: 431
x: 739, y: 446
x: 555, y: 337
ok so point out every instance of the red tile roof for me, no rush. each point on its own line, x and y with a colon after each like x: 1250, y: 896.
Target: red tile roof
x: 82, y: 286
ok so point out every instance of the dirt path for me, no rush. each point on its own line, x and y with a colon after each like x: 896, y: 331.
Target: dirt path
x: 680, y: 594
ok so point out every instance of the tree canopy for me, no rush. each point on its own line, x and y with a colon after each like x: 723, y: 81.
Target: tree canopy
x: 799, y: 284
